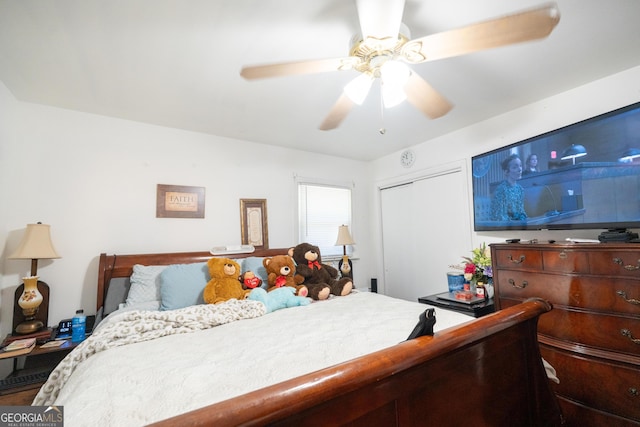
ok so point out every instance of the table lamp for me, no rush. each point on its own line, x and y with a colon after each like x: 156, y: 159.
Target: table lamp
x: 344, y: 238
x: 36, y: 244
x: 629, y: 155
x: 576, y: 150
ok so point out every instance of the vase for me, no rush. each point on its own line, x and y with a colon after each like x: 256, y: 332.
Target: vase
x: 30, y: 301
x: 473, y: 284
x: 489, y: 287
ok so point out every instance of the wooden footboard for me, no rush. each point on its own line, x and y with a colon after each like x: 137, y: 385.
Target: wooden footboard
x: 486, y: 373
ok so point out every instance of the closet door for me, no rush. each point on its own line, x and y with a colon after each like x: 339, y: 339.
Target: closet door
x: 426, y: 227
x: 397, y: 226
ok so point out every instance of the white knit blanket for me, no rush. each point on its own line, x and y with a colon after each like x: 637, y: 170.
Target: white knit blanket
x: 137, y: 326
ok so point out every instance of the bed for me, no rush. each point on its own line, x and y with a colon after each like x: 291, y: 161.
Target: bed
x: 343, y: 361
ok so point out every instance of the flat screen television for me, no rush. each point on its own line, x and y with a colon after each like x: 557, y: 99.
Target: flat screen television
x: 587, y: 176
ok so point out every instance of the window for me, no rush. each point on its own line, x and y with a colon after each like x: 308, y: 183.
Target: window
x: 321, y: 210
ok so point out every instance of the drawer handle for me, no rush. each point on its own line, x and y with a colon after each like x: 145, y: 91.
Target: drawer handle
x: 515, y: 285
x: 516, y: 261
x: 627, y: 267
x: 623, y: 295
x: 633, y: 391
x: 627, y: 333
x: 562, y: 255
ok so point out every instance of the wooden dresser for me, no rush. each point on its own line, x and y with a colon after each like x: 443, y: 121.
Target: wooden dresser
x: 592, y: 336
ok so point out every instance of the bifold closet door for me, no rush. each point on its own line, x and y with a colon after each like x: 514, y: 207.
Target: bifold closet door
x: 425, y: 228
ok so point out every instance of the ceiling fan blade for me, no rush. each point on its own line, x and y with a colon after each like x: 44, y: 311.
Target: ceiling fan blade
x: 380, y: 18
x: 516, y: 28
x: 299, y: 67
x: 425, y: 98
x: 338, y: 112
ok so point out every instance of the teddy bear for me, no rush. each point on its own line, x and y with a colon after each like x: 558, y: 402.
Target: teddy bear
x: 321, y: 279
x: 224, y: 284
x: 249, y: 280
x: 281, y: 272
x: 279, y: 298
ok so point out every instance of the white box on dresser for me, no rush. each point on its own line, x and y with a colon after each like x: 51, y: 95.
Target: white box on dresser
x: 592, y: 336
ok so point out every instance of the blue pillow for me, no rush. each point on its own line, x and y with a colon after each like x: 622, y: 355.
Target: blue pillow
x: 181, y: 285
x: 254, y: 264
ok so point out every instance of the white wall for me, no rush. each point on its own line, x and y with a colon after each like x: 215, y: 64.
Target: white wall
x: 578, y: 104
x: 93, y: 179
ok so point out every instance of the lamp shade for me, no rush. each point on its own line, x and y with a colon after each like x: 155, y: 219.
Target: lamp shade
x: 36, y: 244
x: 629, y: 154
x: 344, y: 237
x: 576, y: 150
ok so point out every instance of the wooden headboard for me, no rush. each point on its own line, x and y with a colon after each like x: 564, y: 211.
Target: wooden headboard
x: 121, y: 266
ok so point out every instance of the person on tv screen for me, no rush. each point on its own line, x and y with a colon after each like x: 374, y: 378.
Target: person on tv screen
x: 508, y: 199
x: 531, y: 165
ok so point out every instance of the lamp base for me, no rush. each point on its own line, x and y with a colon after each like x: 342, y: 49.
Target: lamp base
x: 29, y: 327
x: 43, y: 311
x: 346, y: 267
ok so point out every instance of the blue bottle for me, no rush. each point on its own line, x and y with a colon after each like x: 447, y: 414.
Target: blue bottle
x: 78, y: 327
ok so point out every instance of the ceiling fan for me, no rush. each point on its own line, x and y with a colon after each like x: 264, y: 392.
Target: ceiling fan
x: 383, y: 49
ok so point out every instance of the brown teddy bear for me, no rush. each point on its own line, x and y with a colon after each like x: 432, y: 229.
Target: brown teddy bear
x: 321, y: 279
x: 224, y: 284
x: 249, y: 280
x: 281, y: 272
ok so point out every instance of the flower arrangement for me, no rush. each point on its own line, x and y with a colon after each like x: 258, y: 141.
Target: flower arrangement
x: 477, y: 268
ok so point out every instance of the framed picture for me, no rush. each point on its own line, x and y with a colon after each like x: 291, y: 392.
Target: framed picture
x: 253, y: 223
x: 179, y: 201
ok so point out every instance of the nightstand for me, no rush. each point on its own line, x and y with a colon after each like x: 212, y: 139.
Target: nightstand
x: 476, y: 310
x: 37, y: 361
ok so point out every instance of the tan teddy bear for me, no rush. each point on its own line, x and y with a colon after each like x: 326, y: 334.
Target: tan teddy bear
x: 281, y: 272
x: 224, y: 284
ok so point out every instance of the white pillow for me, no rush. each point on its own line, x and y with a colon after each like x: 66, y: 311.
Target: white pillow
x: 145, y: 284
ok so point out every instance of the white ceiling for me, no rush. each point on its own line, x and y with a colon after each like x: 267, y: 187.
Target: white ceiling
x: 176, y: 63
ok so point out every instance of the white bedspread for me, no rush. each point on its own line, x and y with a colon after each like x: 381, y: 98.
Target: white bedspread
x: 140, y: 383
x: 132, y: 327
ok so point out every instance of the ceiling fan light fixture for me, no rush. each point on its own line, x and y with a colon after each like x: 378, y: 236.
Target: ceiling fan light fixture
x: 392, y: 95
x: 395, y: 73
x: 358, y: 88
x: 394, y: 76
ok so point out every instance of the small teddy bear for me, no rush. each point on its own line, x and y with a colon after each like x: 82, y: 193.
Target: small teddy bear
x: 281, y: 272
x: 224, y: 284
x: 249, y: 280
x: 321, y: 279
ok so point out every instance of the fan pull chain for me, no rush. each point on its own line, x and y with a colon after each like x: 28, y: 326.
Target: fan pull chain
x: 382, y: 130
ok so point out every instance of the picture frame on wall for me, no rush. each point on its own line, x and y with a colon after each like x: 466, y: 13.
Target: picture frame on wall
x: 179, y: 201
x: 253, y: 223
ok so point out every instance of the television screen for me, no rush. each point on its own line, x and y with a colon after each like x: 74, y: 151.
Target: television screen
x: 582, y: 176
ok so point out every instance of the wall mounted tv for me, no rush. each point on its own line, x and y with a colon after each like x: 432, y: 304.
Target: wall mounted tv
x: 587, y: 177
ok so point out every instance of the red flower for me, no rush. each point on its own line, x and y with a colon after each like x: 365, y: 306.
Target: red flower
x: 470, y: 268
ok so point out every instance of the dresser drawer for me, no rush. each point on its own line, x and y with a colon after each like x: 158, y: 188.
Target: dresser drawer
x: 578, y: 415
x: 600, y: 331
x: 518, y: 258
x: 616, y: 295
x: 565, y: 261
x: 596, y: 383
x: 615, y: 263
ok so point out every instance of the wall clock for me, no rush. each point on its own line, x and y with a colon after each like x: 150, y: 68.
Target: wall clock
x: 407, y: 158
